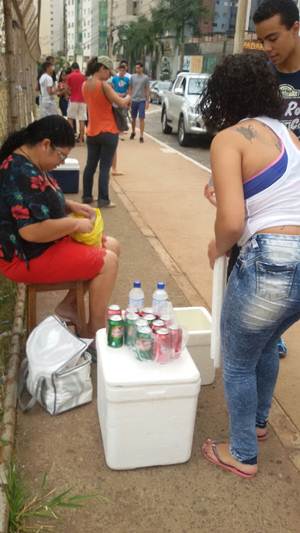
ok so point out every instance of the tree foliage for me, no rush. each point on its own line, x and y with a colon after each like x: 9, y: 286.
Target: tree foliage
x: 172, y: 17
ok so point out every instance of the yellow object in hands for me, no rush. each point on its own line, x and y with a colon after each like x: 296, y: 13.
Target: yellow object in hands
x: 94, y: 237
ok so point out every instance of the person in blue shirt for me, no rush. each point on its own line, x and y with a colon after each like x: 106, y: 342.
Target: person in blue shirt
x: 120, y: 83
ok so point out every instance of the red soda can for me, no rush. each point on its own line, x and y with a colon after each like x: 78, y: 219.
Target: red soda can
x: 157, y: 324
x: 176, y: 340
x: 167, y: 320
x: 146, y: 311
x: 150, y: 319
x: 162, y: 350
x: 112, y: 310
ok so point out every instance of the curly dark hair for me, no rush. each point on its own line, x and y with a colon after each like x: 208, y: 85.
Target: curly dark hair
x: 243, y: 85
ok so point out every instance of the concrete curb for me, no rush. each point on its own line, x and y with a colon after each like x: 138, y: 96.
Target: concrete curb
x: 10, y: 402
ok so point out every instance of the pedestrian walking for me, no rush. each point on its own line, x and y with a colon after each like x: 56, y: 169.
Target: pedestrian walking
x: 77, y: 106
x: 140, y: 94
x: 48, y: 91
x: 63, y: 93
x: 102, y: 131
x: 255, y: 166
x: 120, y: 84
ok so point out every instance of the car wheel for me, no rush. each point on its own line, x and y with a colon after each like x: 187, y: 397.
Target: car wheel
x: 164, y: 123
x: 183, y: 137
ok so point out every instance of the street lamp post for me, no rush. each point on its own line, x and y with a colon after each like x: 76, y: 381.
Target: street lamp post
x: 240, y: 24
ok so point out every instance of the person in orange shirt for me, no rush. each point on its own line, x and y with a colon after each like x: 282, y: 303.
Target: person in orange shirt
x: 102, y: 131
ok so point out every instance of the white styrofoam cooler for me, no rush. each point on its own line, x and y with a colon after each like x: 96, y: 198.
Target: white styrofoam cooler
x: 197, y: 322
x: 146, y: 410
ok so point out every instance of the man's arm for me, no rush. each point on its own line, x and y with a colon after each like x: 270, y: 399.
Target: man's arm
x: 147, y: 92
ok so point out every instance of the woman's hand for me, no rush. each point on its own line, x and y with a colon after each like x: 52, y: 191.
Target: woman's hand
x: 81, y: 209
x: 127, y: 100
x: 209, y: 193
x: 84, y: 225
x: 212, y: 253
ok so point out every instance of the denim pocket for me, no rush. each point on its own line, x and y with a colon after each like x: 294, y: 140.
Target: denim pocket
x: 274, y: 282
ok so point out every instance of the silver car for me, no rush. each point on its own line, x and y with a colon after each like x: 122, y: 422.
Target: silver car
x: 180, y: 107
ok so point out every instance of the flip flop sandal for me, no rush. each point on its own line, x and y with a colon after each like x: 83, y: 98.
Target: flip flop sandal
x: 263, y: 437
x: 214, y: 458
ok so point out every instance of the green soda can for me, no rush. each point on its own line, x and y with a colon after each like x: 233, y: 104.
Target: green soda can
x: 115, y: 331
x: 130, y: 329
x: 144, y: 343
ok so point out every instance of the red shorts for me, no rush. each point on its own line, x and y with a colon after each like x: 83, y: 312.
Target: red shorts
x: 66, y: 260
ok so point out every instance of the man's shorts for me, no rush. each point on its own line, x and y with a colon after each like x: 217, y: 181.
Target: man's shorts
x: 77, y: 111
x: 138, y: 109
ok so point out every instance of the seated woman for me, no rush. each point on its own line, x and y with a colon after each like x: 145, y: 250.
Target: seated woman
x: 255, y: 167
x: 35, y: 229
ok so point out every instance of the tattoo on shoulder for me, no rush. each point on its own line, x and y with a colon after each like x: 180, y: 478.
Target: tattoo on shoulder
x: 249, y: 133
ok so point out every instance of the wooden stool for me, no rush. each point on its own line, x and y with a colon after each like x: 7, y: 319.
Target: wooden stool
x: 34, y: 288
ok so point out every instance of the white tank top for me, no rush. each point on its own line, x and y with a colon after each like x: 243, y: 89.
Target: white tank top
x: 272, y: 197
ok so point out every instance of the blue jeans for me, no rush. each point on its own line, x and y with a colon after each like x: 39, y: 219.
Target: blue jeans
x: 262, y: 301
x: 101, y: 149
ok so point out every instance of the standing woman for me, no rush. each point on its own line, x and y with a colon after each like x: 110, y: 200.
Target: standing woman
x: 255, y: 167
x: 102, y: 131
x: 63, y: 93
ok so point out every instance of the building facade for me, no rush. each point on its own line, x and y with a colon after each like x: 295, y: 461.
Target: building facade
x: 86, y: 28
x: 52, y: 30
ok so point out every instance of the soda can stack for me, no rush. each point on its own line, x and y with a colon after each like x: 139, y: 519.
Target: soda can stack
x: 112, y: 310
x: 150, y: 338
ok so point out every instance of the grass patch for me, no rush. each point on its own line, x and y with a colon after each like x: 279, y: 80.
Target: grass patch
x: 8, y: 291
x: 36, y: 513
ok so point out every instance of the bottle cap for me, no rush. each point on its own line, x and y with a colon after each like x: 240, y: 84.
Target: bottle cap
x: 161, y: 285
x: 137, y: 284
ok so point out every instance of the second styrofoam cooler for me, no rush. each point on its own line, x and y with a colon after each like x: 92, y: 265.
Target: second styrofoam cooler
x: 67, y: 175
x: 197, y: 322
x: 146, y: 410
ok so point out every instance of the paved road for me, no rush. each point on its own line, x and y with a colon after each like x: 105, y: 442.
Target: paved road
x: 199, y: 149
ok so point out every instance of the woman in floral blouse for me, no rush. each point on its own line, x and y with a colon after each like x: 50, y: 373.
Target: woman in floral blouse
x: 35, y: 229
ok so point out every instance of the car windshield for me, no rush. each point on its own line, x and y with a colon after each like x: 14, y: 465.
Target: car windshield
x: 197, y: 85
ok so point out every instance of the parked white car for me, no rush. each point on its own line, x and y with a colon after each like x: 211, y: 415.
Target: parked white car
x: 180, y: 107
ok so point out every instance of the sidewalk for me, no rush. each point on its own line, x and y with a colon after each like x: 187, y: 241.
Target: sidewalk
x: 164, y: 225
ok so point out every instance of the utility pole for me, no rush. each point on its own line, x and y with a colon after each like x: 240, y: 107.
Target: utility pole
x: 240, y: 24
x: 12, y: 113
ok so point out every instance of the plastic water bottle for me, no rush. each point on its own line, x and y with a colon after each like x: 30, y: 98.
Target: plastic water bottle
x: 159, y: 298
x: 136, y: 297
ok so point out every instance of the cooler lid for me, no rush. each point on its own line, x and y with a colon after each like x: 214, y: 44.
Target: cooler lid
x: 121, y: 368
x: 69, y: 164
